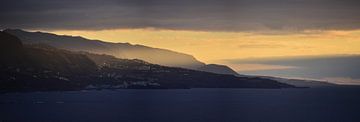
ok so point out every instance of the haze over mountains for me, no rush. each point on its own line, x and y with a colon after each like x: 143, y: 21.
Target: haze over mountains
x: 129, y: 51
x: 340, y: 69
x: 39, y: 67
x: 120, y: 50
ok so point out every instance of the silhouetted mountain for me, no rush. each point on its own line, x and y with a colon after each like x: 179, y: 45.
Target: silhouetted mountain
x: 39, y: 67
x: 219, y: 69
x: 119, y: 50
x: 28, y: 67
x: 10, y: 49
x: 9, y: 42
x: 40, y: 57
x: 172, y: 77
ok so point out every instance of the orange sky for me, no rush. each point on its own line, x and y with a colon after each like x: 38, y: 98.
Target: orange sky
x: 212, y: 47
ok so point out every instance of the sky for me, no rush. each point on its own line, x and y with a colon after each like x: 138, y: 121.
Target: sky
x: 214, y: 31
x: 213, y: 47
x: 207, y: 15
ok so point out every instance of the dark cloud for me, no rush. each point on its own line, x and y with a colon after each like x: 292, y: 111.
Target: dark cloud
x: 208, y: 15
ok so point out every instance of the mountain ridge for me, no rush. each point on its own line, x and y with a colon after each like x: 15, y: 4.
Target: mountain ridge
x: 120, y: 50
x: 44, y: 68
x: 219, y: 69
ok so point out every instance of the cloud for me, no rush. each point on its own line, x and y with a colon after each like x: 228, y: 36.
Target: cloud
x: 252, y: 46
x: 316, y: 67
x: 334, y: 69
x: 205, y: 15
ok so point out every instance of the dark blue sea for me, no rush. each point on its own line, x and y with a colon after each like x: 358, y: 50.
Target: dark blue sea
x: 184, y: 105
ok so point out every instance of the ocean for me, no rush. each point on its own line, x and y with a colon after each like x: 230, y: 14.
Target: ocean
x: 184, y: 105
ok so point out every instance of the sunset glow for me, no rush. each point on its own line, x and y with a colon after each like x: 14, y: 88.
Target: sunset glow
x: 212, y: 47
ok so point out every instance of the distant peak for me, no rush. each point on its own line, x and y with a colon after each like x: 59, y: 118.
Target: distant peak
x: 219, y: 69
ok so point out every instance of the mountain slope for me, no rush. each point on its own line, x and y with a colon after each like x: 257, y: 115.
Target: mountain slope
x: 120, y: 50
x: 176, y: 77
x: 33, y: 56
x: 25, y: 67
x: 219, y: 69
x: 39, y: 68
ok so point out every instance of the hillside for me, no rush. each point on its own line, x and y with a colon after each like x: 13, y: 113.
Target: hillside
x: 120, y: 50
x: 172, y: 77
x: 39, y: 68
x: 219, y: 69
x: 24, y: 67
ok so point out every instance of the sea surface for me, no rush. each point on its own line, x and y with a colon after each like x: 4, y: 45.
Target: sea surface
x: 184, y: 105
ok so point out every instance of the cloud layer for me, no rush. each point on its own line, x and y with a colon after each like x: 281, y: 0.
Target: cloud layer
x: 339, y: 69
x: 207, y: 15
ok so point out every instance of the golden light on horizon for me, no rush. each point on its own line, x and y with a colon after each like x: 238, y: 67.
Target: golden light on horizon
x: 212, y: 47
